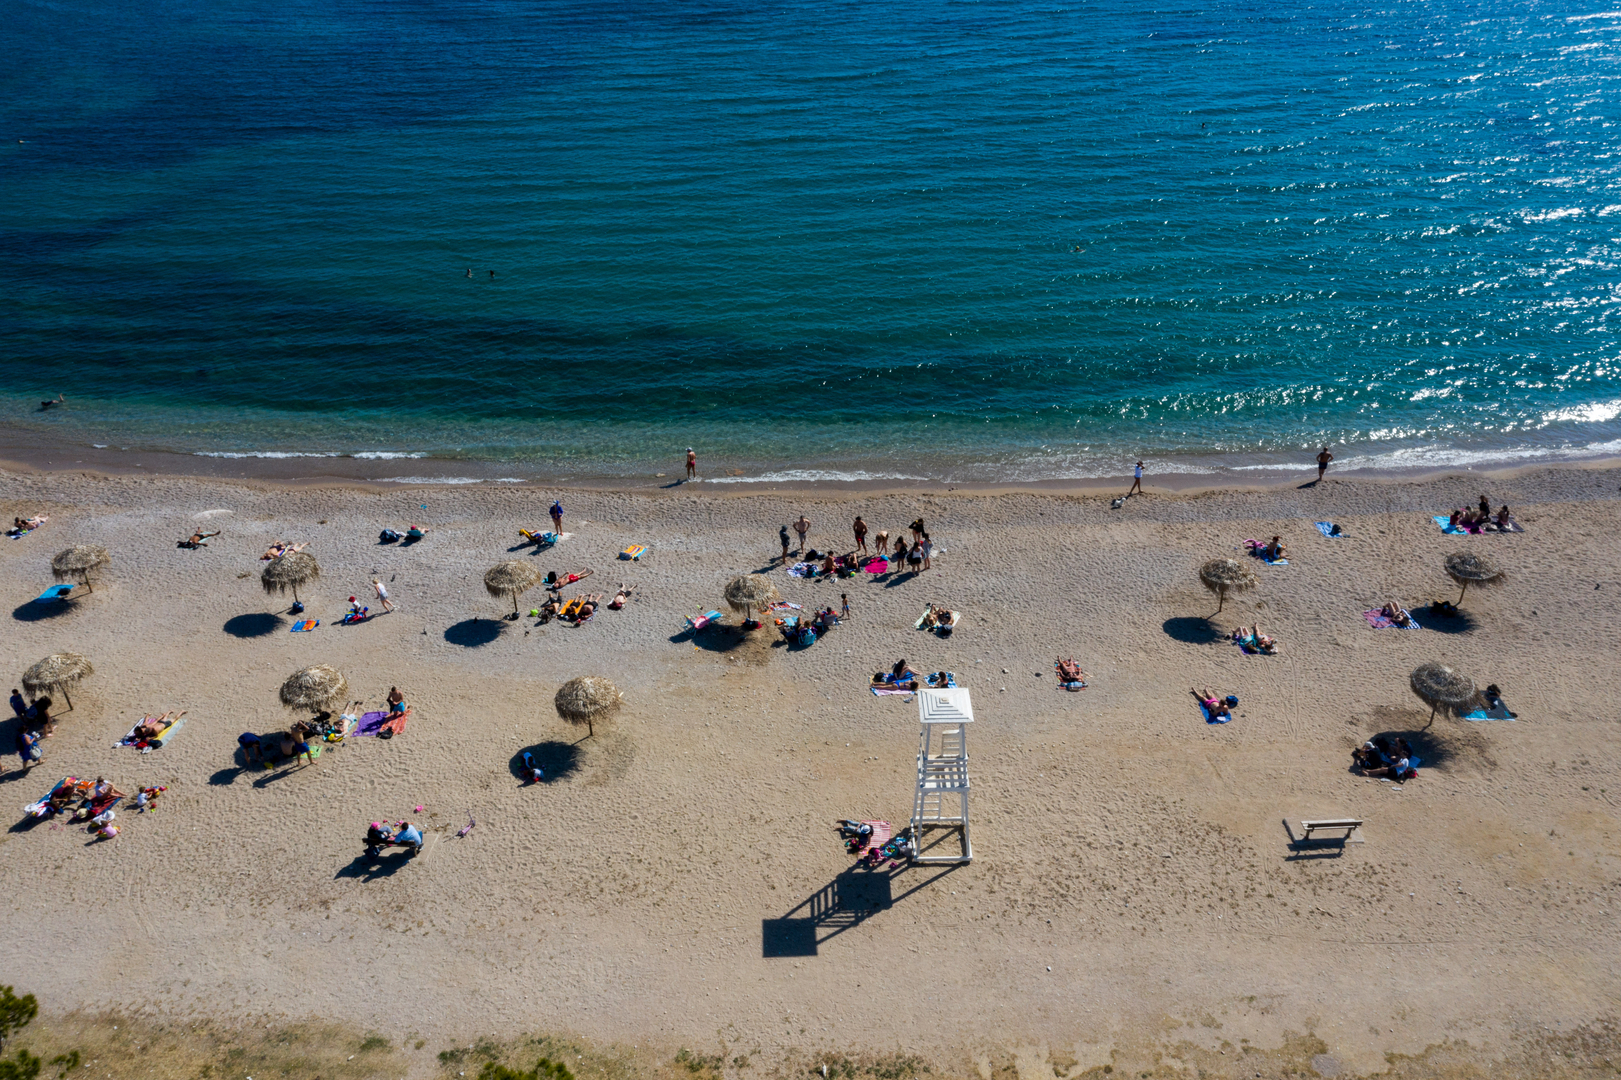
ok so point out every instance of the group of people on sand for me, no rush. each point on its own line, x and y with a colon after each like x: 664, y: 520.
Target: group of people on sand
x: 35, y: 724
x: 1391, y: 758
x: 916, y: 556
x: 580, y: 609
x: 1480, y: 519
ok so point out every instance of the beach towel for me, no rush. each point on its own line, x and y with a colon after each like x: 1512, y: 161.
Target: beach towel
x: 1213, y: 720
x: 53, y: 594
x: 783, y: 605
x: 634, y: 552
x: 302, y: 625
x: 1327, y: 529
x: 876, y: 565
x: 1499, y: 713
x: 393, y: 725
x: 881, y: 832
x: 1077, y: 684
x: 148, y: 745
x: 371, y: 723
x: 1258, y: 549
x: 1379, y: 621
x: 880, y: 691
x: 1445, y: 521
x: 39, y: 807
x: 802, y: 569
x: 951, y: 681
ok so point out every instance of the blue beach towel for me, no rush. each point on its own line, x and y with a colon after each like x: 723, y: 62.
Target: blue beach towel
x: 1327, y: 529
x: 1486, y: 714
x: 53, y: 594
x: 1445, y: 521
x: 1211, y: 720
x: 304, y: 624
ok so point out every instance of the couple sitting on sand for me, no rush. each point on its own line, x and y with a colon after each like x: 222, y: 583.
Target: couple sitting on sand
x: 1250, y: 639
x: 405, y: 835
x: 1384, y: 757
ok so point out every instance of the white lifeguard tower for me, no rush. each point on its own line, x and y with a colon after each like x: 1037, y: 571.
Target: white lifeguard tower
x: 940, y: 807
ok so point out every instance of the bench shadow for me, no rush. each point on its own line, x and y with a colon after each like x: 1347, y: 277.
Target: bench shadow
x: 254, y: 625
x: 1193, y: 630
x: 471, y: 633
x: 37, y: 612
x: 558, y: 760
x: 1303, y: 850
x: 366, y: 868
x: 850, y: 899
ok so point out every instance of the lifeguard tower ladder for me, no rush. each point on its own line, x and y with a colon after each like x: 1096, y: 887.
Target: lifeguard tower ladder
x: 940, y: 807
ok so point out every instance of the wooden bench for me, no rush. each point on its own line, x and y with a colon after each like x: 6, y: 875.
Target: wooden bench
x: 1352, y: 827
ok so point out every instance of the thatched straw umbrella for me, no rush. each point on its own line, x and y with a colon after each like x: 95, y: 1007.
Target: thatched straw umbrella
x: 55, y: 672
x: 1439, y: 687
x: 315, y: 689
x: 77, y: 562
x: 749, y: 592
x: 289, y: 571
x: 586, y: 699
x: 1467, y: 568
x: 1222, y: 576
x: 512, y: 578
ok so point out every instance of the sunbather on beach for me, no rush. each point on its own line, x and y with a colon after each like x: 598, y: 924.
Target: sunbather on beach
x: 554, y: 581
x: 621, y: 596
x: 1396, y: 614
x: 197, y: 539
x: 587, y: 607
x: 153, y: 726
x: 1068, y: 670
x: 1215, y: 706
x: 416, y: 532
x: 829, y: 567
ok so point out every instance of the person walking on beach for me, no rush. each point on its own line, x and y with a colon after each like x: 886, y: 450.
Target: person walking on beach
x: 557, y: 517
x: 860, y: 528
x: 692, y: 464
x: 782, y: 534
x: 802, y: 526
x: 382, y: 594
x: 844, y: 600
x: 1323, y: 458
x: 1137, y: 481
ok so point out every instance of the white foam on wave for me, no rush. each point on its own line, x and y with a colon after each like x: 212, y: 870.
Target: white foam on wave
x: 1434, y: 457
x: 1596, y: 412
x: 791, y: 476
x: 429, y: 480
x: 369, y: 455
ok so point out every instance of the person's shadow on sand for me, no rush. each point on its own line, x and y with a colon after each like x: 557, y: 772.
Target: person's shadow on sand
x: 367, y: 868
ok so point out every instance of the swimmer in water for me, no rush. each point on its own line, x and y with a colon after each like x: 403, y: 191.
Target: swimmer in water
x: 59, y: 399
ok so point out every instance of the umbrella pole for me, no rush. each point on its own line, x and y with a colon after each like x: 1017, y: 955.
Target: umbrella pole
x: 1221, y: 598
x: 65, y: 694
x: 590, y: 731
x: 514, y: 605
x: 87, y: 586
x: 1465, y: 589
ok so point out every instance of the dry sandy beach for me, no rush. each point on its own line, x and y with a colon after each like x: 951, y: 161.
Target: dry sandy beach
x: 1134, y: 891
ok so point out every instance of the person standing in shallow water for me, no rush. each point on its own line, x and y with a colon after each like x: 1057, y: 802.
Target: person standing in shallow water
x: 692, y: 464
x: 1137, y: 481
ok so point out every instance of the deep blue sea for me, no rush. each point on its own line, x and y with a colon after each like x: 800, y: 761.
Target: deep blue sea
x: 930, y: 238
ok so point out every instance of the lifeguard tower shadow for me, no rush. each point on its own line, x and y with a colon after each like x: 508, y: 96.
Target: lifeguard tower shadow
x: 842, y: 904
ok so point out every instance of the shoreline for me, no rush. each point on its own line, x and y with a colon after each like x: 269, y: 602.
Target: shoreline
x: 321, y: 470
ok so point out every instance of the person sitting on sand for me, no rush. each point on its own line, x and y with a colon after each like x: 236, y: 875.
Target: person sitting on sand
x: 1215, y: 706
x: 547, y: 611
x: 104, y: 790
x: 1373, y: 754
x: 147, y: 798
x: 153, y: 726
x: 621, y: 596
x: 932, y: 616
x: 829, y: 567
x: 1485, y: 508
x: 396, y: 701
x: 197, y: 540
x: 1275, y: 550
x: 1504, y: 519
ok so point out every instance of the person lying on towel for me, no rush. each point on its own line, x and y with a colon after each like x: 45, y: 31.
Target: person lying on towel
x: 153, y: 726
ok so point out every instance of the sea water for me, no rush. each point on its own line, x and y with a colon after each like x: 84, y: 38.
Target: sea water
x: 925, y: 238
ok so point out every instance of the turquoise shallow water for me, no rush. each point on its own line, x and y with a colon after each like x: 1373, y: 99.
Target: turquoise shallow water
x: 944, y: 239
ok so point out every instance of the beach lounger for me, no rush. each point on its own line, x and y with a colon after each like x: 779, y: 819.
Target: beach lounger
x: 634, y: 552
x: 698, y: 622
x: 53, y: 594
